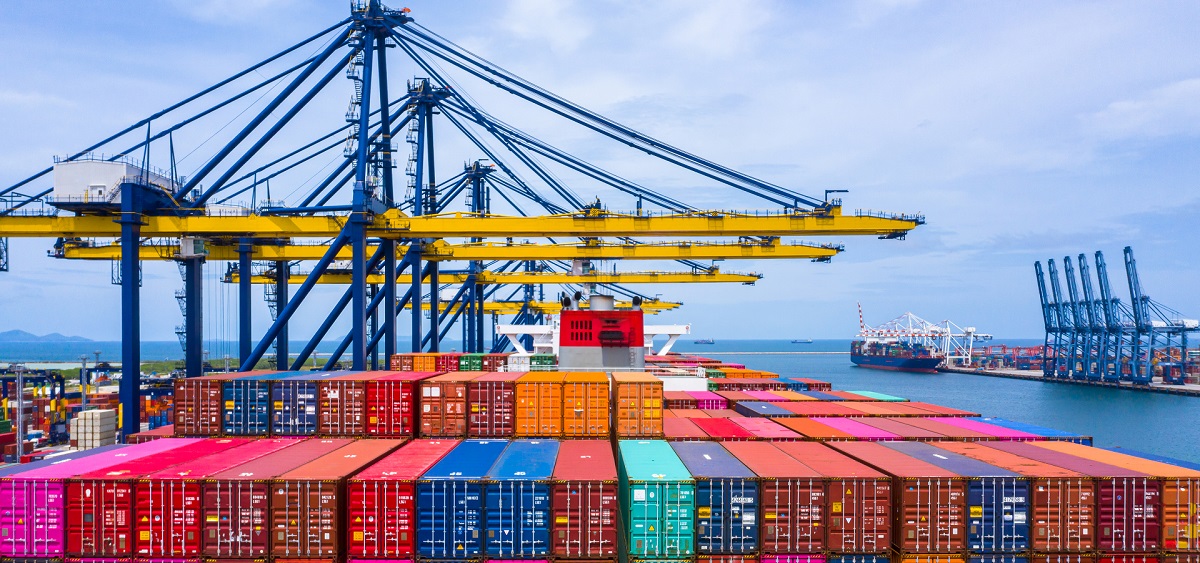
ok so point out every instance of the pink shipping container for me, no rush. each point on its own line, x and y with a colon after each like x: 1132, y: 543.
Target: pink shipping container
x: 904, y: 431
x: 707, y: 400
x: 940, y: 410
x: 950, y: 431
x: 797, y: 558
x: 766, y: 396
x: 354, y: 560
x: 996, y: 431
x: 857, y: 429
x: 34, y: 504
x: 722, y: 429
x: 766, y: 429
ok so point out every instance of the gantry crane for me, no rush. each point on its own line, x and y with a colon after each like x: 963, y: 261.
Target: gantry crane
x: 352, y: 207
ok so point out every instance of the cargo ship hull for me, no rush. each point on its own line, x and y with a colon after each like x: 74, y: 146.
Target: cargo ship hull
x: 892, y: 363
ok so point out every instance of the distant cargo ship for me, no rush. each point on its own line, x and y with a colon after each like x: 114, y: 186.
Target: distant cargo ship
x: 802, y: 341
x: 704, y: 341
x: 895, y: 356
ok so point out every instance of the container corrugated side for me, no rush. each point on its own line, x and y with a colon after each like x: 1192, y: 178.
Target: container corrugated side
x: 585, y: 405
x: 658, y: 500
x: 342, y: 403
x: 539, y: 405
x: 197, y: 404
x: 294, y: 402
x: 792, y: 496
x: 444, y: 405
x: 307, y: 503
x: 637, y: 405
x: 381, y: 511
x: 929, y: 558
x: 708, y: 400
x: 247, y: 408
x: 518, y: 500
x: 727, y: 499
x: 237, y: 501
x: 450, y: 504
x: 585, y: 500
x: 491, y: 405
x: 392, y: 404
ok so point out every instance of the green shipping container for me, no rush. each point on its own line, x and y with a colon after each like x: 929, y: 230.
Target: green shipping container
x: 542, y: 362
x: 470, y: 362
x: 881, y: 396
x: 658, y: 499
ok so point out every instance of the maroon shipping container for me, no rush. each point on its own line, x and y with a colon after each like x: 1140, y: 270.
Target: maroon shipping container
x: 791, y: 497
x: 721, y: 413
x: 100, y: 507
x: 1062, y: 558
x: 443, y: 412
x: 168, y: 504
x: 584, y: 500
x: 151, y: 435
x: 494, y: 362
x: 723, y: 429
x: 392, y: 404
x: 447, y: 361
x: 940, y: 410
x: 342, y: 403
x: 736, y: 396
x: 859, y: 519
x: 683, y: 429
x: 1128, y: 502
x: 491, y: 400
x: 928, y: 503
x: 307, y: 503
x: 199, y: 402
x: 678, y: 400
x: 904, y: 431
x: 381, y: 511
x: 237, y: 501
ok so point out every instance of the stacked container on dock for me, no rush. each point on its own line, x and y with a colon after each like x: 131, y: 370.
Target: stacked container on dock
x: 792, y: 497
x: 585, y: 409
x: 518, y: 498
x: 342, y: 403
x: 585, y: 501
x: 658, y: 501
x: 392, y: 403
x: 168, y: 504
x: 381, y: 511
x: 308, y: 502
x: 539, y: 405
x: 450, y: 502
x: 294, y: 402
x: 100, y: 504
x: 237, y: 501
x: 678, y: 400
x: 727, y: 499
x: 637, y: 405
x: 247, y: 399
x: 929, y: 502
x: 199, y: 402
x: 444, y: 405
x: 491, y: 402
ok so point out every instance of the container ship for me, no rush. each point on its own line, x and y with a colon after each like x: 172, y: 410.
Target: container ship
x: 895, y: 356
x: 910, y: 343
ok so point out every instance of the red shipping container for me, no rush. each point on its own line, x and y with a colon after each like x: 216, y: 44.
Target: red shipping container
x: 1129, y: 558
x: 494, y: 362
x: 682, y: 430
x: 149, y: 435
x: 100, y: 507
x: 765, y: 429
x: 168, y: 504
x: 392, y: 404
x: 381, y: 512
x: 859, y: 519
x: 237, y: 501
x: 904, y: 431
x: 307, y: 503
x: 950, y: 431
x: 678, y: 400
x: 443, y: 412
x: 819, y: 408
x: 723, y: 429
x: 198, y: 404
x: 584, y: 500
x: 791, y: 496
x: 1063, y: 558
x: 940, y: 410
x: 1128, y: 502
x: 929, y: 503
x: 447, y: 361
x: 491, y: 400
x: 342, y: 403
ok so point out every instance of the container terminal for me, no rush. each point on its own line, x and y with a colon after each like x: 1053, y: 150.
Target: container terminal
x: 569, y: 438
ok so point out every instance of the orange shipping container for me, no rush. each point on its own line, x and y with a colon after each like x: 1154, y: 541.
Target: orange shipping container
x: 424, y: 362
x: 444, y: 404
x: 540, y: 405
x: 638, y: 398
x: 585, y: 405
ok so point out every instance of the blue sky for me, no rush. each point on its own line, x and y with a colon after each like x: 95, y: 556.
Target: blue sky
x: 1022, y: 131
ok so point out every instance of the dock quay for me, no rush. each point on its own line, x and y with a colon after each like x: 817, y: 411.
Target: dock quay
x: 1188, y: 389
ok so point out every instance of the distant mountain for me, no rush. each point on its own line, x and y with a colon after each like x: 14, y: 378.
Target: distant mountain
x: 22, y: 336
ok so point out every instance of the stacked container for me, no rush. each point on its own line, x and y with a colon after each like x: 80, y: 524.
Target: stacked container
x: 539, y: 405
x: 585, y: 501
x: 491, y: 403
x: 247, y: 399
x: 585, y: 410
x: 637, y: 405
x: 658, y: 501
x: 450, y: 503
x: 444, y: 405
x: 342, y: 403
x: 727, y: 499
x: 198, y: 404
x: 793, y: 499
x: 294, y: 402
x: 391, y: 403
x: 381, y: 511
x: 518, y: 501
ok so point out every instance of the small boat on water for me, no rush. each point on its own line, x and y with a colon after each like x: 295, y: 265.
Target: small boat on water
x: 802, y: 341
x: 704, y: 341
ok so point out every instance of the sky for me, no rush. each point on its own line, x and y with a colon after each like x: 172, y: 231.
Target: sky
x: 1022, y: 131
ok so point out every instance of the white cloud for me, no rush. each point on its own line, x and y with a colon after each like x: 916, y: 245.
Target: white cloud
x: 719, y: 30
x: 231, y: 11
x: 1173, y: 109
x: 554, y: 22
x: 26, y: 100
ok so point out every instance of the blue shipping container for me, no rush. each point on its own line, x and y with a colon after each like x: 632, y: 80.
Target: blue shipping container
x: 857, y: 559
x: 726, y: 499
x: 518, y: 496
x: 247, y: 409
x: 997, y: 559
x: 1156, y: 457
x: 1038, y: 430
x: 822, y: 396
x: 450, y: 507
x: 760, y: 408
x: 997, y: 499
x: 792, y: 384
x: 294, y: 403
x: 14, y: 469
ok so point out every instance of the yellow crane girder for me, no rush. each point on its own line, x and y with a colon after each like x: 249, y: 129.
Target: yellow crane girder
x: 393, y: 224
x: 443, y: 251
x: 533, y: 278
x: 651, y: 307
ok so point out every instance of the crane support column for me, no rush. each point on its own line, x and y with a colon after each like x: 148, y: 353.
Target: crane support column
x: 283, y: 271
x: 414, y: 261
x: 245, y: 253
x: 193, y: 273
x: 131, y: 343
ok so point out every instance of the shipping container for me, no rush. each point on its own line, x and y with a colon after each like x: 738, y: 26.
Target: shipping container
x: 342, y: 403
x: 637, y: 405
x: 658, y: 500
x: 308, y: 502
x: 760, y: 408
x: 765, y: 396
x: 1180, y: 492
x: 237, y: 501
x: 997, y: 499
x: 518, y: 500
x: 247, y: 410
x: 723, y: 429
x: 950, y: 431
x: 859, y: 518
x: 294, y: 402
x: 999, y: 432
x: 903, y: 431
x: 381, y: 511
x: 856, y: 558
x: 721, y: 413
x: 1063, y: 558
x: 1127, y: 501
x: 1129, y: 558
x: 929, y: 503
x: 160, y: 432
x: 1061, y: 501
x: 471, y: 362
x: 1156, y: 457
x: 539, y: 411
x: 727, y: 499
x: 850, y: 396
x: 880, y: 396
x: 792, y: 497
x: 818, y: 408
x: 168, y: 504
x: 929, y: 558
x: 878, y: 409
x: 682, y: 429
x: 198, y: 402
x: 494, y: 362
x: 857, y: 429
x: 450, y: 503
x: 733, y: 559
x: 997, y: 558
x: 1048, y: 433
x: 821, y: 395
x: 708, y: 400
x: 444, y: 405
x: 812, y: 429
x: 392, y: 404
x: 733, y: 397
x: 765, y: 429
x: 585, y: 501
x: 585, y: 405
x: 100, y: 504
x: 686, y: 413
x: 939, y: 410
x: 794, y: 558
x: 447, y: 361
x: 678, y: 400
x: 491, y: 404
